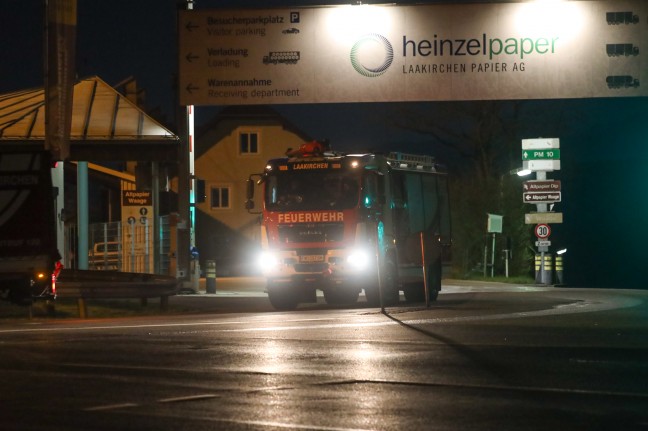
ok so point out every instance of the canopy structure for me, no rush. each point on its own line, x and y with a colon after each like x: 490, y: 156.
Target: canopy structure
x: 106, y: 126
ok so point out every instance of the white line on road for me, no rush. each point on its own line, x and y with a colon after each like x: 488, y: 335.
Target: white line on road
x: 578, y: 306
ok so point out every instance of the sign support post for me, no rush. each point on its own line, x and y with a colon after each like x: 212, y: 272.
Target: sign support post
x: 494, y: 226
x: 542, y: 155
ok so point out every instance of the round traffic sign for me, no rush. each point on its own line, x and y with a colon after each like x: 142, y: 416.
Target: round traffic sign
x: 542, y: 231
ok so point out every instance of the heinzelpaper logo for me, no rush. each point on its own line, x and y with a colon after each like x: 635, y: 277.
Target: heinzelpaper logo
x: 372, y: 55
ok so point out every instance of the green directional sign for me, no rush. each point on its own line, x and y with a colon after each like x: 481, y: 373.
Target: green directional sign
x: 548, y: 154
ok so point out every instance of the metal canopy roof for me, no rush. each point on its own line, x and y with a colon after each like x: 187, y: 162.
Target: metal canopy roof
x: 105, y: 125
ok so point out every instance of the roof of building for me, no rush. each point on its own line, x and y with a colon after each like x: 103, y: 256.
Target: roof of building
x: 235, y: 116
x: 105, y: 124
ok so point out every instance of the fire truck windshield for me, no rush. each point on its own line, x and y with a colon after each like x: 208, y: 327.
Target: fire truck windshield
x: 311, y: 190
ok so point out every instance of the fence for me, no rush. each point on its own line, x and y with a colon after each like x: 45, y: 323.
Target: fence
x: 121, y: 247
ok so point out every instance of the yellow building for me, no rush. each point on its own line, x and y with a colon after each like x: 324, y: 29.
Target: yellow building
x: 235, y: 144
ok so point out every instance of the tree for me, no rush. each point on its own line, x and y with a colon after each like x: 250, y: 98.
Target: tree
x: 482, y: 140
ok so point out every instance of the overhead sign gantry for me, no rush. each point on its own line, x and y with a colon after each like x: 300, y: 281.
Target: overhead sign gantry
x: 367, y: 53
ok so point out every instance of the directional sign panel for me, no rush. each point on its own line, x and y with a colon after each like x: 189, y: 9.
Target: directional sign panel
x: 541, y: 197
x: 540, y: 143
x: 553, y: 154
x: 548, y: 217
x: 541, y: 165
x: 541, y: 186
x: 541, y: 154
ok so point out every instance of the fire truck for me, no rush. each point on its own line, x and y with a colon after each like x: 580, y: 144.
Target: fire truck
x: 343, y: 223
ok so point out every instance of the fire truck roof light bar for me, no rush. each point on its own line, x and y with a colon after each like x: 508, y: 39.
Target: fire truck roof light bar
x: 411, y: 161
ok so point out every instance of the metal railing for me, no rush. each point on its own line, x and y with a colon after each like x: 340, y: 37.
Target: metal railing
x: 84, y: 285
x: 122, y: 247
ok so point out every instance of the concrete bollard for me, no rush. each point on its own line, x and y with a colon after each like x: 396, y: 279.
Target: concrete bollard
x: 543, y: 268
x: 558, y: 262
x: 210, y: 276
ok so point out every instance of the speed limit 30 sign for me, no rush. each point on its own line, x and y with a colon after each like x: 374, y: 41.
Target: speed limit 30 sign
x: 542, y: 231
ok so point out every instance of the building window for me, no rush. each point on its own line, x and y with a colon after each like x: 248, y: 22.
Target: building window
x: 220, y: 197
x: 248, y: 143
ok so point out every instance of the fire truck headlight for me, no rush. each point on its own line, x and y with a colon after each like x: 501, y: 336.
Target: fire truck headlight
x: 359, y: 259
x: 268, y: 261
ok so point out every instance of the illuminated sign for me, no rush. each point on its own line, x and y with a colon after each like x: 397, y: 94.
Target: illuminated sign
x: 368, y: 53
x: 311, y: 165
x: 136, y: 198
x: 310, y: 217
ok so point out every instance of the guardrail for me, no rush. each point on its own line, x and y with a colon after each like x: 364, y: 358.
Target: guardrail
x: 88, y: 284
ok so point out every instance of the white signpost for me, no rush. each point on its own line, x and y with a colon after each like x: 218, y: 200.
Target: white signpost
x: 542, y: 155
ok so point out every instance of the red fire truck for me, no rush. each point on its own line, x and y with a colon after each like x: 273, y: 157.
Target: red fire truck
x: 342, y: 223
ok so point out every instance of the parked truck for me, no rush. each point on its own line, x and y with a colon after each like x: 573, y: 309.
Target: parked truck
x: 105, y: 256
x: 343, y: 223
x: 29, y: 260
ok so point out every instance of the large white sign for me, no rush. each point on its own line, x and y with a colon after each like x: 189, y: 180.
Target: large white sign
x: 366, y: 53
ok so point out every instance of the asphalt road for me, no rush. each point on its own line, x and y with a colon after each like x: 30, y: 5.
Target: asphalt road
x: 486, y: 357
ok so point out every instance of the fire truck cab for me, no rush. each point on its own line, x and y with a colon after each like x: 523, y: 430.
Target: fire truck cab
x: 343, y: 223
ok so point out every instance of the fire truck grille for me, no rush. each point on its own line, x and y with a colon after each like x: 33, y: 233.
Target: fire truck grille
x: 321, y: 232
x: 310, y: 267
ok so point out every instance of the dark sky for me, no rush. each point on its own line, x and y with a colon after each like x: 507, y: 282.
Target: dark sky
x: 604, y: 142
x: 117, y: 39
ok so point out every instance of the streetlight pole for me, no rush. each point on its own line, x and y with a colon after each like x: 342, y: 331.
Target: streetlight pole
x: 185, y: 223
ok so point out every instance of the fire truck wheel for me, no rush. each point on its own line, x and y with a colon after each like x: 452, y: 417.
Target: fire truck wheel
x: 283, y: 298
x: 434, y: 269
x: 415, y: 292
x: 391, y: 294
x: 373, y: 296
x: 341, y: 296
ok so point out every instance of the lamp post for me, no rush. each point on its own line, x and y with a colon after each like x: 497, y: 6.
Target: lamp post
x: 517, y: 172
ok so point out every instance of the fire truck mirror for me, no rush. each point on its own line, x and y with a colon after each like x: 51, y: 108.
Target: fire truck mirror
x: 374, y: 191
x: 249, y: 192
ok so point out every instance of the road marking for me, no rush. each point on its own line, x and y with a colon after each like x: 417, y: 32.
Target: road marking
x: 574, y: 308
x: 188, y: 398
x: 292, y: 425
x: 110, y: 407
x: 264, y: 424
x: 578, y: 306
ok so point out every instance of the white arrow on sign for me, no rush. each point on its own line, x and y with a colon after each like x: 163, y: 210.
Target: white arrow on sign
x: 541, y: 197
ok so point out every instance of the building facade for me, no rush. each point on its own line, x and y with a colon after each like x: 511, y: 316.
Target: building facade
x: 234, y: 145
